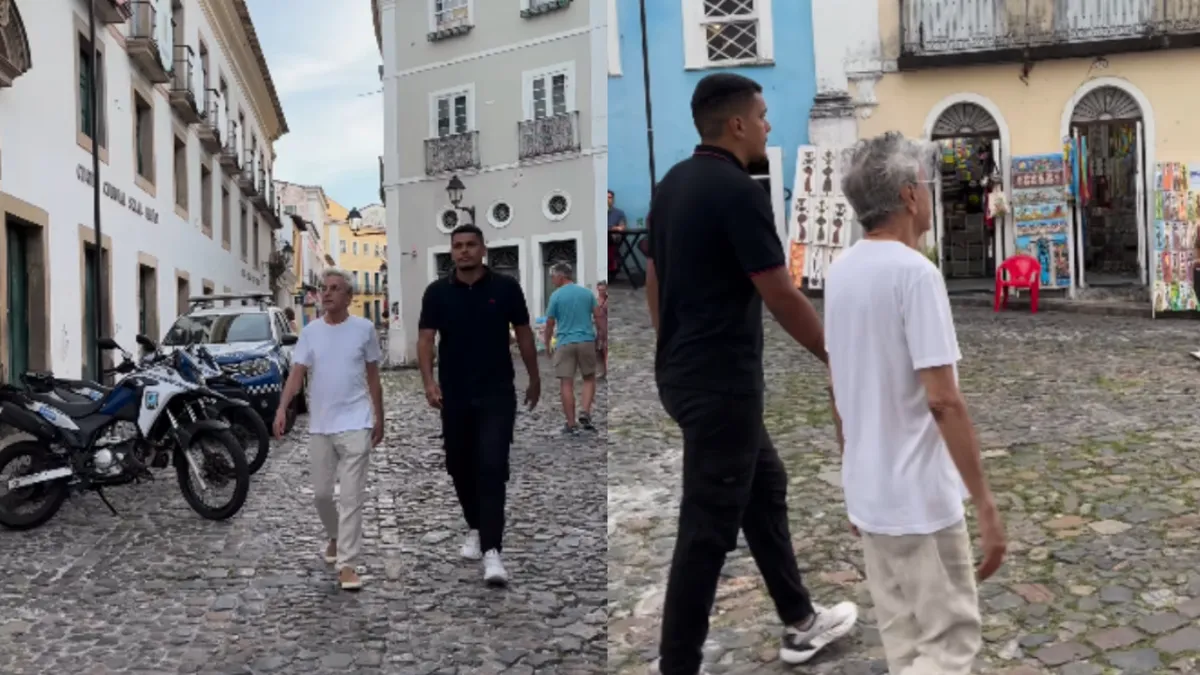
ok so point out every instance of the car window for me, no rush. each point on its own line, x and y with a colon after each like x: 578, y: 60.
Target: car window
x: 219, y: 329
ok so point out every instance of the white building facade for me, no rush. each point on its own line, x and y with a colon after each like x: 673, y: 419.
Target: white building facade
x: 305, y: 211
x: 508, y: 98
x: 186, y: 124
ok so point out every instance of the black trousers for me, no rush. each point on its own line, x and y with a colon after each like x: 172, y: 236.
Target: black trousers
x: 732, y: 479
x: 477, y: 434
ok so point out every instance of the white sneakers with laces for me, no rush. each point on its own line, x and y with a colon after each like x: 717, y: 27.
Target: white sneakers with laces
x: 494, y: 573
x: 829, y: 624
x: 470, y: 546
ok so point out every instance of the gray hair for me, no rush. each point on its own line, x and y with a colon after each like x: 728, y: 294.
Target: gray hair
x: 341, y: 274
x: 878, y: 169
x: 564, y: 269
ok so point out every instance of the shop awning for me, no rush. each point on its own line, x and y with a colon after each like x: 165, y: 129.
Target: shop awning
x: 14, y: 44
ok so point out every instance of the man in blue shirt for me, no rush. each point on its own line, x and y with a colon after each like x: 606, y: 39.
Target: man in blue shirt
x: 570, y: 316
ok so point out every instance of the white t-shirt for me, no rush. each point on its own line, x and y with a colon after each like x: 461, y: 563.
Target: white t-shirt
x: 336, y: 356
x: 887, y: 316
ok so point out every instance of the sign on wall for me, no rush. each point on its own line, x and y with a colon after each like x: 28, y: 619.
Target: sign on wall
x: 1176, y: 216
x: 1039, y: 207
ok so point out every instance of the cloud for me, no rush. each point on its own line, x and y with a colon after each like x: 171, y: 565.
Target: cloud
x: 298, y: 74
x: 331, y: 138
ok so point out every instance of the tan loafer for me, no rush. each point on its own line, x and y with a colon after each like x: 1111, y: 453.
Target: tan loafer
x: 349, y: 580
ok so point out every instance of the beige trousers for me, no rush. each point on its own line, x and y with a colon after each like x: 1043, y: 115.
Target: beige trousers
x: 341, y: 458
x: 926, y: 605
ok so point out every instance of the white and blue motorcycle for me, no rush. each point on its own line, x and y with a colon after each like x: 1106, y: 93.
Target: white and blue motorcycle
x: 151, y: 418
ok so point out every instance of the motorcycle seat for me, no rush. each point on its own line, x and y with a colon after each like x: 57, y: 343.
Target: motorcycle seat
x: 72, y: 409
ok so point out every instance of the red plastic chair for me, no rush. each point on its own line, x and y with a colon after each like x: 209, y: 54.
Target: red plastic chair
x: 1024, y: 271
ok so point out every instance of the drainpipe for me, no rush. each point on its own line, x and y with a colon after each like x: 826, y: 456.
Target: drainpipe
x: 98, y: 276
x: 646, y: 90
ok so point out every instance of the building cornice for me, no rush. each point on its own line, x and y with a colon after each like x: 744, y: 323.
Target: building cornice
x: 230, y: 20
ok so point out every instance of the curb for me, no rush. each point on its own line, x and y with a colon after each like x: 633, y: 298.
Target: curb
x: 1070, y: 307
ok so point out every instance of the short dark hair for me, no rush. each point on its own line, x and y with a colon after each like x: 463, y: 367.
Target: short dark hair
x: 467, y: 228
x: 717, y: 98
x: 289, y: 313
x: 611, y: 193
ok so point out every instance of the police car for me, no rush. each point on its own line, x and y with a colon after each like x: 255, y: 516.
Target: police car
x: 251, y: 340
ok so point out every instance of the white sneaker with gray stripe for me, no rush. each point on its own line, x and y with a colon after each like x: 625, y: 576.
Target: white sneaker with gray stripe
x: 829, y: 625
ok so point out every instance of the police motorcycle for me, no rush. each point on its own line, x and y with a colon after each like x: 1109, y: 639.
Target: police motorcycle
x: 195, y: 364
x: 152, y: 418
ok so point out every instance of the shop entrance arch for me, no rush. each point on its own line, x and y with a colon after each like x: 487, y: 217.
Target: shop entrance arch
x: 1110, y: 124
x: 972, y: 156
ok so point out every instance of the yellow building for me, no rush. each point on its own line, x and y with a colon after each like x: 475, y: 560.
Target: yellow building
x: 994, y: 80
x: 363, y: 253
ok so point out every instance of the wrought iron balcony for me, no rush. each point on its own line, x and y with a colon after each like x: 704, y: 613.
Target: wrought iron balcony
x: 261, y: 197
x: 113, y: 11
x: 230, y: 158
x: 183, y: 85
x: 246, y: 179
x: 539, y: 7
x: 960, y: 32
x: 452, y: 153
x: 548, y: 136
x: 209, y: 130
x: 452, y: 19
x: 142, y: 42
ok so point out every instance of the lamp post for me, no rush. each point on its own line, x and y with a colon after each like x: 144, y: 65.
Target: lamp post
x: 454, y: 190
x: 98, y: 270
x: 355, y: 219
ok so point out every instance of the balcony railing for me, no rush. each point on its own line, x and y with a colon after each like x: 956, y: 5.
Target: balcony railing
x: 143, y: 42
x: 986, y: 29
x: 113, y: 11
x: 230, y: 157
x: 548, y: 136
x: 539, y: 7
x: 247, y: 180
x: 453, y: 19
x: 209, y: 129
x: 183, y: 85
x: 452, y: 153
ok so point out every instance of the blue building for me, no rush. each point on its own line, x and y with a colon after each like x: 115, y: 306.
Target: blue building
x: 767, y: 40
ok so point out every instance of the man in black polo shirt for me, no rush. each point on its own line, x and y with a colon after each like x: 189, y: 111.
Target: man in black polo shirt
x: 471, y: 310
x: 714, y: 260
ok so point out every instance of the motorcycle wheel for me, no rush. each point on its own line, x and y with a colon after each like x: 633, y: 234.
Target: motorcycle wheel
x: 252, y: 433
x: 50, y: 495
x: 229, y: 466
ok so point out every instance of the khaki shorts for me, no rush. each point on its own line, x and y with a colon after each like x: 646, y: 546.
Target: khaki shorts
x: 577, y: 357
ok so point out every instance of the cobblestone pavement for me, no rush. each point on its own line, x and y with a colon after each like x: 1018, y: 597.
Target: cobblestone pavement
x: 1091, y: 444
x: 159, y: 590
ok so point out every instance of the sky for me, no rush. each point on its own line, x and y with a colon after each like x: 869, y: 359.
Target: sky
x: 325, y: 63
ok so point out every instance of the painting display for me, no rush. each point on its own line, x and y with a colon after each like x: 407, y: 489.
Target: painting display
x: 821, y: 217
x: 1176, y: 216
x: 1039, y: 207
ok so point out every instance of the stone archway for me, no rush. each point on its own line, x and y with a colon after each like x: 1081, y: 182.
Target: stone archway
x: 965, y: 119
x: 14, y: 44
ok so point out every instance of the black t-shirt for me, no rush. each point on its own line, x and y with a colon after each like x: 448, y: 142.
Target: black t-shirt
x: 472, y: 321
x: 711, y: 228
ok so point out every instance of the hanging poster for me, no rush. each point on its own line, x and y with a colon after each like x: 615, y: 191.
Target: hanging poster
x: 821, y: 218
x: 1176, y: 216
x: 1039, y: 205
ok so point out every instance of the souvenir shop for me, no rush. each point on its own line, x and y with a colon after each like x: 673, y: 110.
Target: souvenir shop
x: 1108, y: 224
x: 968, y: 142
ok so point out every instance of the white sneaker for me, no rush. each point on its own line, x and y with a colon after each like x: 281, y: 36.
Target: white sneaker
x: 470, y: 546
x: 830, y: 624
x: 493, y: 570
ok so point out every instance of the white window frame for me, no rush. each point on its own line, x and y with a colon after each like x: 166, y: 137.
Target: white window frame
x: 695, y: 42
x: 468, y: 90
x: 431, y: 262
x: 527, y: 78
x: 522, y: 258
x: 614, y: 41
x: 433, y: 27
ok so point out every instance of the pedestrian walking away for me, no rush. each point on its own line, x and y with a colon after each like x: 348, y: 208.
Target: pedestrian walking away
x: 714, y: 260
x: 893, y: 355
x: 469, y: 313
x: 572, y: 316
x: 339, y: 354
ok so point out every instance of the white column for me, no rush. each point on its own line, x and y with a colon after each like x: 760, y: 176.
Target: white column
x: 401, y: 340
x: 599, y: 137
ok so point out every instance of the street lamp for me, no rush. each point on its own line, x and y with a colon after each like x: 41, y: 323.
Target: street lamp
x: 355, y: 219
x: 454, y: 190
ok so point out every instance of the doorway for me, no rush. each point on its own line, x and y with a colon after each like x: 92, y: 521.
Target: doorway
x: 968, y: 143
x: 17, y: 265
x: 554, y: 252
x: 1108, y: 218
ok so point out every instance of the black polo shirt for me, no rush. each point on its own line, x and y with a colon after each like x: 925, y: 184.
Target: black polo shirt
x: 711, y: 228
x: 472, y: 321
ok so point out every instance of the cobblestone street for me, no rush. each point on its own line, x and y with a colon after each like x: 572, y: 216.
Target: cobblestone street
x: 159, y: 590
x: 1091, y: 444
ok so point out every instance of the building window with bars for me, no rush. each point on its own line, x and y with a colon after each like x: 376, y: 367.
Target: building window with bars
x: 723, y: 33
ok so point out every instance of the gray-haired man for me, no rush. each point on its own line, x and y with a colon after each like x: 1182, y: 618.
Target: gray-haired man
x: 571, y: 317
x: 340, y: 354
x: 893, y: 356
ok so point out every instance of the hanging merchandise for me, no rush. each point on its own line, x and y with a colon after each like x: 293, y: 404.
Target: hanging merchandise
x: 1175, y: 224
x: 1040, y: 211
